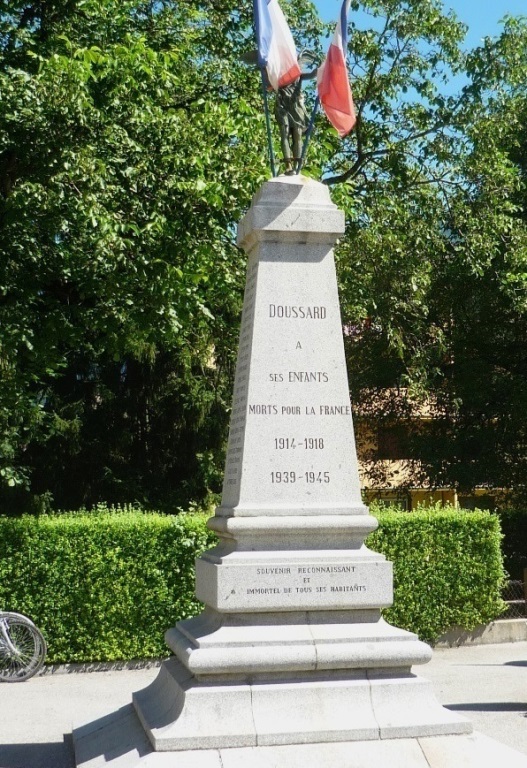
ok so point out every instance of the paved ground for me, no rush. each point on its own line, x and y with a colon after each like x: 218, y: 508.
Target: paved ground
x: 488, y: 683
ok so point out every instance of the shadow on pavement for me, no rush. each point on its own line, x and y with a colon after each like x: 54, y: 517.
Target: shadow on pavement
x: 58, y: 754
x: 502, y: 664
x: 490, y: 706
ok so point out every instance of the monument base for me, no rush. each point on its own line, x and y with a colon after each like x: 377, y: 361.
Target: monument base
x: 119, y: 741
x: 290, y: 678
x: 180, y: 713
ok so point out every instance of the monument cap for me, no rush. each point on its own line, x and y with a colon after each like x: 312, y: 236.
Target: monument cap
x: 283, y: 210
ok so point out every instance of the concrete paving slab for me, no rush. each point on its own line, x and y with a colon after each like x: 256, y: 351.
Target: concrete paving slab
x: 36, y: 717
x: 472, y: 751
x: 487, y: 684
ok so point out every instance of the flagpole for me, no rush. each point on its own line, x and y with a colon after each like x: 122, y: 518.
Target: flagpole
x: 268, y: 124
x: 308, y: 135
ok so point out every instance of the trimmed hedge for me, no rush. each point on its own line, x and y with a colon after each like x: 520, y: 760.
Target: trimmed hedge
x: 448, y: 568
x: 106, y: 586
x: 102, y: 587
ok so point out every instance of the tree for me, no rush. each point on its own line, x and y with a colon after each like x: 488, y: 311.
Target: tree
x: 394, y: 176
x: 131, y: 140
x: 124, y: 164
x: 480, y: 288
x: 443, y: 251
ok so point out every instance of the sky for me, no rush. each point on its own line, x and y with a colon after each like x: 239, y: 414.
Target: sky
x: 481, y: 16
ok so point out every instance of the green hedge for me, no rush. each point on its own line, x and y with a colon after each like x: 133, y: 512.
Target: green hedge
x: 448, y: 568
x: 101, y: 586
x: 106, y: 586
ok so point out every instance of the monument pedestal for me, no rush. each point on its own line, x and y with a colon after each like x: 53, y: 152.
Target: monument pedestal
x: 290, y: 663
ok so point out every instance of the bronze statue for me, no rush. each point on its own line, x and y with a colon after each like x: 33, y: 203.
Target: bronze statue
x: 290, y: 111
x: 292, y: 119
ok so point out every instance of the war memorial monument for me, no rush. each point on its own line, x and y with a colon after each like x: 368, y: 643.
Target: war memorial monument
x: 290, y: 665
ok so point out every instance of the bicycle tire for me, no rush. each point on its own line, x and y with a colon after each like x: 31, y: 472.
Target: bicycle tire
x: 29, y: 649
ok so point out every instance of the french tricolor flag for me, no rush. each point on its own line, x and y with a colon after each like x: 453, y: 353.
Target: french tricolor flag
x: 276, y: 47
x: 334, y: 90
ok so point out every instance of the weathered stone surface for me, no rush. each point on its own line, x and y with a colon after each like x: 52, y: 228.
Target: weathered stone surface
x: 220, y: 645
x: 118, y: 741
x: 179, y: 712
x: 284, y: 584
x: 291, y: 445
x: 291, y: 209
x: 292, y: 628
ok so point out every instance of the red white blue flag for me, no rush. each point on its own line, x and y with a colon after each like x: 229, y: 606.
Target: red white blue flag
x: 276, y: 47
x: 333, y: 85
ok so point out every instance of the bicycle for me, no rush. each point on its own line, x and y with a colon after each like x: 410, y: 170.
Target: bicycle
x: 22, y: 648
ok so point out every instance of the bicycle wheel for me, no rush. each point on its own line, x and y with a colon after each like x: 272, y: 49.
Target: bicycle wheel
x: 22, y: 648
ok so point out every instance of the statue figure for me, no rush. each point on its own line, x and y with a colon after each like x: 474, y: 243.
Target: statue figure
x: 292, y: 118
x: 290, y: 111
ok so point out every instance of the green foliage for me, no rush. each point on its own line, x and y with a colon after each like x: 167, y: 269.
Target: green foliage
x: 401, y: 57
x: 107, y: 585
x: 102, y: 586
x: 122, y: 173
x: 448, y: 568
x: 480, y: 288
x: 131, y: 140
x: 433, y: 269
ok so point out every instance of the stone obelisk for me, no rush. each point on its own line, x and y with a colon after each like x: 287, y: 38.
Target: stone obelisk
x: 290, y: 664
x: 291, y: 648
